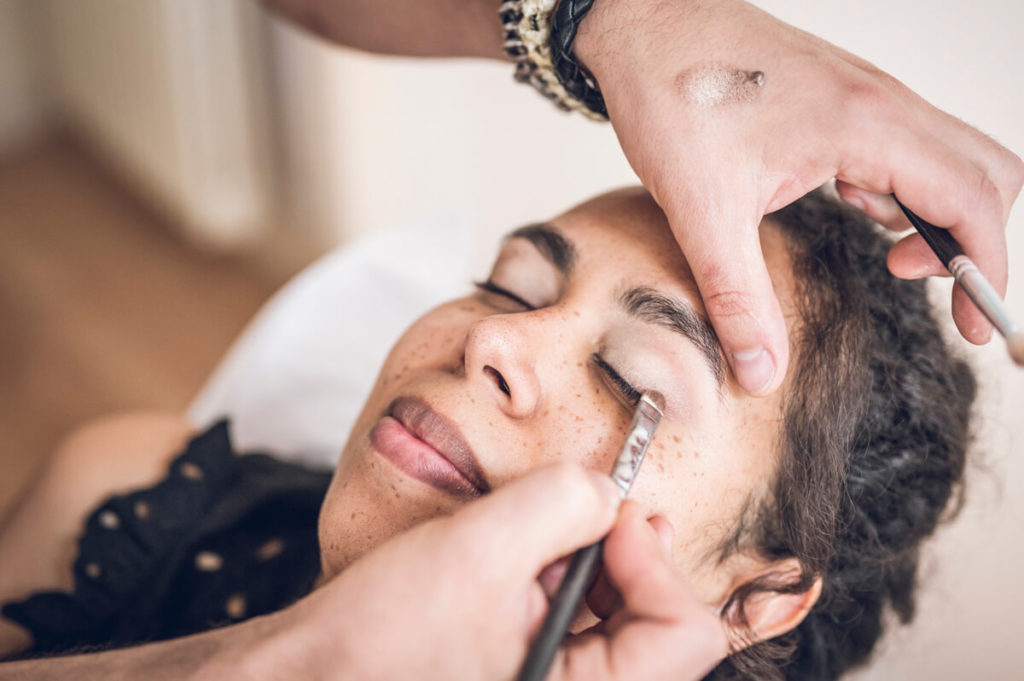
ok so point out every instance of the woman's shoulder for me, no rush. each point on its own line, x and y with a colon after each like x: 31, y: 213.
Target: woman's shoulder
x: 109, y: 456
x: 169, y: 535
x: 113, y: 455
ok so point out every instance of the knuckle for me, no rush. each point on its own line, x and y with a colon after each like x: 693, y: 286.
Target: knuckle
x: 728, y: 304
x: 869, y: 97
x: 722, y: 297
x: 987, y: 195
x: 1016, y: 171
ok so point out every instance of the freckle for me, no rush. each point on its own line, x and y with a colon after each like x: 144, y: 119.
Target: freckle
x: 675, y: 438
x: 579, y: 364
x: 352, y: 517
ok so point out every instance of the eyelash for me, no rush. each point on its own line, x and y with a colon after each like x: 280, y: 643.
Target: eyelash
x: 626, y: 391
x: 630, y: 394
x: 491, y: 287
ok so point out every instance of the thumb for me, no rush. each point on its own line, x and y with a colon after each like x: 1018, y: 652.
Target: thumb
x: 719, y: 235
x: 544, y: 515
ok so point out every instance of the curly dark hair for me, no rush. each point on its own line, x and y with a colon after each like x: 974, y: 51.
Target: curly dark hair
x: 872, y: 447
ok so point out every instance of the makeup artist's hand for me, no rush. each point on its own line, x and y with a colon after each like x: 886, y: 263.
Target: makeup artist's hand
x: 718, y: 146
x: 458, y: 598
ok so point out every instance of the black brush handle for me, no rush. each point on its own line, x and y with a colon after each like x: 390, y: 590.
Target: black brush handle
x: 560, y: 615
x: 940, y: 240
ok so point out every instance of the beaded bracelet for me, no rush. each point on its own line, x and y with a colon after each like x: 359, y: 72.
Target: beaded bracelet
x: 542, y: 51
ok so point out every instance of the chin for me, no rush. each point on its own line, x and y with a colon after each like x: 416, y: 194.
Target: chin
x: 368, y: 503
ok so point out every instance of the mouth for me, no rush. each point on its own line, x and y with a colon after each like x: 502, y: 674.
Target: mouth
x: 427, y: 446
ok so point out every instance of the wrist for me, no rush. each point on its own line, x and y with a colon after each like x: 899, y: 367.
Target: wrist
x: 592, y: 35
x: 617, y: 34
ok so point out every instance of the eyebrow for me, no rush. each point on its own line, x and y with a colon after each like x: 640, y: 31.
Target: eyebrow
x: 555, y: 248
x: 641, y: 302
x: 653, y: 307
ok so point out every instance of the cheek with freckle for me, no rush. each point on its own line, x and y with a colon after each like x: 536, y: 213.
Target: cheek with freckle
x: 436, y: 342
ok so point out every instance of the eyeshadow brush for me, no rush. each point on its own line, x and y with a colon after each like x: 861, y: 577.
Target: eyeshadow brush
x: 583, y: 565
x: 971, y: 280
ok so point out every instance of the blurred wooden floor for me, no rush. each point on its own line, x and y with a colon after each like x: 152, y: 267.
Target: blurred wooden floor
x: 102, y: 308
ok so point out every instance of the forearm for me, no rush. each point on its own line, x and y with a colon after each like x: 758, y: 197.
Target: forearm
x: 252, y: 650
x: 426, y: 28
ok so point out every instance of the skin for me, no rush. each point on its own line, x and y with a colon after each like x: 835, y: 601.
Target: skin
x: 394, y: 545
x: 712, y: 453
x: 716, y: 170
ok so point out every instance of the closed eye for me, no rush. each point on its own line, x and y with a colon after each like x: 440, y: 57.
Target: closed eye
x: 491, y: 287
x: 624, y: 391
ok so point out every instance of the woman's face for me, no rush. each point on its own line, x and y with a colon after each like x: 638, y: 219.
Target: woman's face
x: 540, y: 365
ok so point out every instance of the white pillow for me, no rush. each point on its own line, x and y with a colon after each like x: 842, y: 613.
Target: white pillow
x: 294, y: 381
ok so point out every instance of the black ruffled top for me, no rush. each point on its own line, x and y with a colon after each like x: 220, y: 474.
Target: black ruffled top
x: 222, y: 538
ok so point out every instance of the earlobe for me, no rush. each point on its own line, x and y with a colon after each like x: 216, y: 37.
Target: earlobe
x: 766, y: 614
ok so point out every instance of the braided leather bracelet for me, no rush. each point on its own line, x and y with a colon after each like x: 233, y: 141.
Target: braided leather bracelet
x: 576, y: 80
x: 542, y: 51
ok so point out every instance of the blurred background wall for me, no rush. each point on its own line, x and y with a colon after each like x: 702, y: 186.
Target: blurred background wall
x: 258, y: 146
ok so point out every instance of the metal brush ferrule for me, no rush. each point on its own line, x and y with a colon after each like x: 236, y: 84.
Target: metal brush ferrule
x: 648, y: 415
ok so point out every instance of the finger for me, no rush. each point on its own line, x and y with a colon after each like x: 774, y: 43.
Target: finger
x: 949, y: 190
x: 718, y: 234
x: 666, y: 533
x: 912, y: 258
x: 662, y: 631
x: 638, y: 569
x: 603, y: 599
x: 544, y: 515
x: 1004, y: 168
x: 970, y: 321
x: 879, y: 207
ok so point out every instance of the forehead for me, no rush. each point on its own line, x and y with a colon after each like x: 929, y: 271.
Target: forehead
x: 623, y: 221
x: 624, y: 233
x: 624, y: 236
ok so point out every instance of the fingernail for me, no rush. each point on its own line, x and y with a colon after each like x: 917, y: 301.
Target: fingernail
x: 607, y: 488
x: 754, y: 369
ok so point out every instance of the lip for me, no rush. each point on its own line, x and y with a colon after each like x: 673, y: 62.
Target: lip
x: 427, y: 446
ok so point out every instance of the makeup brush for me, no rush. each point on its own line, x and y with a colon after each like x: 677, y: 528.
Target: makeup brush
x: 584, y: 563
x: 971, y: 280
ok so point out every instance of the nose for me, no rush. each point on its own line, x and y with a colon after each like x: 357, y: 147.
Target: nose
x: 501, y: 359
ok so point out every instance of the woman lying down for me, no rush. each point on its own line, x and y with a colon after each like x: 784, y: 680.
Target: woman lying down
x: 792, y: 521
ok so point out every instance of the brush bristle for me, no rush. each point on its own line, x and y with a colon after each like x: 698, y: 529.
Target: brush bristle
x: 1015, y: 344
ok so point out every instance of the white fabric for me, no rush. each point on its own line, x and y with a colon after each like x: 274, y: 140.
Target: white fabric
x: 295, y: 380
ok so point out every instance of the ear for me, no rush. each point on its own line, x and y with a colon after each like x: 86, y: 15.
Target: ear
x: 771, y: 613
